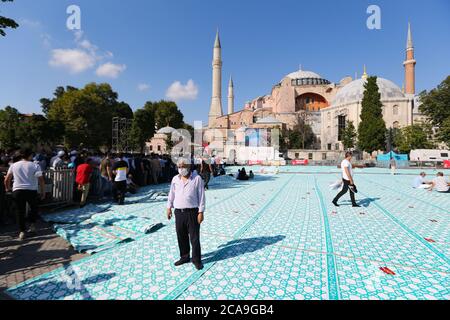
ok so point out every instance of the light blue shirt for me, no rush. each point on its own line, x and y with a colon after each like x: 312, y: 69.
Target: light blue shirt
x: 187, y: 195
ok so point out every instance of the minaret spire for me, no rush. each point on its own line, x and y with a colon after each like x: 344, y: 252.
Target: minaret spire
x: 410, y: 65
x: 216, y: 100
x: 231, y: 96
x: 409, y: 43
x: 217, y: 42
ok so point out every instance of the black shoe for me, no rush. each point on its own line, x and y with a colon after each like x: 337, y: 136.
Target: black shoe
x: 181, y: 262
x: 356, y: 206
x: 336, y: 204
x: 198, y: 266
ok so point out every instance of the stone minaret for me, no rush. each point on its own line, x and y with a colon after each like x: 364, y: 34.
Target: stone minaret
x: 410, y: 65
x: 216, y: 101
x: 231, y: 96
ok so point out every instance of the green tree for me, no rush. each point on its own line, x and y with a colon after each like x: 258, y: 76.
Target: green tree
x: 392, y: 137
x: 59, y: 92
x: 413, y: 137
x: 349, y: 136
x: 372, y: 128
x: 123, y: 110
x: 86, y: 114
x: 9, y: 124
x: 300, y: 137
x: 166, y: 114
x: 37, y: 129
x: 444, y: 132
x: 6, y: 22
x: 436, y: 106
x: 142, y: 128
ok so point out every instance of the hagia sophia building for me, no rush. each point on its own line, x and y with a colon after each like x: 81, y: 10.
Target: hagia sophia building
x: 307, y: 96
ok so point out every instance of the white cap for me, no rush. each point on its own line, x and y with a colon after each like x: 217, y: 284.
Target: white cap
x: 61, y: 154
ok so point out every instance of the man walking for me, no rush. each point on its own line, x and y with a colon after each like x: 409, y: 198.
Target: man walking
x: 347, y: 178
x: 27, y: 177
x: 187, y: 196
x: 120, y: 170
x: 83, y: 180
x: 206, y: 171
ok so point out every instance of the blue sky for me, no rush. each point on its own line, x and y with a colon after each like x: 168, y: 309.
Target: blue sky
x: 144, y: 47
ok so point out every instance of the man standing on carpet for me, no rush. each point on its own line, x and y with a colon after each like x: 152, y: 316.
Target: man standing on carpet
x: 120, y: 170
x: 347, y: 177
x: 26, y: 178
x: 187, y: 196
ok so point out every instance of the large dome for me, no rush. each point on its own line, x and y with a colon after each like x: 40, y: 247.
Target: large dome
x: 302, y: 78
x: 303, y: 75
x: 354, y: 91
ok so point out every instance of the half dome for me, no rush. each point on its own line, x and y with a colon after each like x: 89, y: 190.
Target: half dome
x: 354, y: 91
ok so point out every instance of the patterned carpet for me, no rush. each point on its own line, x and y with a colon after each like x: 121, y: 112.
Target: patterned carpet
x: 278, y: 237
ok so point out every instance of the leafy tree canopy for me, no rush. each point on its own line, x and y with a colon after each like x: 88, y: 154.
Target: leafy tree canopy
x: 436, y: 106
x: 6, y: 22
x: 413, y: 137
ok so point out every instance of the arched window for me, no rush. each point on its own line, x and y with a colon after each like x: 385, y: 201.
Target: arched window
x: 396, y: 125
x: 395, y: 110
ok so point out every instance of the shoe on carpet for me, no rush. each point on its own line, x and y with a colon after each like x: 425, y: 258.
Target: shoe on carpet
x: 181, y: 262
x: 198, y: 266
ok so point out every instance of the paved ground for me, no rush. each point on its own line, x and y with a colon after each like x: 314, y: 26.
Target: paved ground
x: 21, y: 261
x: 279, y: 237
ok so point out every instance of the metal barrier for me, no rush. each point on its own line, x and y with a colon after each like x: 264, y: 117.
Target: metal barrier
x: 60, y: 184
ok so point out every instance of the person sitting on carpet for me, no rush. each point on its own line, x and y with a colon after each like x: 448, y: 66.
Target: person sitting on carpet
x: 242, y: 175
x: 420, y: 183
x: 440, y: 183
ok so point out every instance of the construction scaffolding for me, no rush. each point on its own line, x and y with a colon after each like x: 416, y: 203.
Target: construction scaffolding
x: 121, y: 128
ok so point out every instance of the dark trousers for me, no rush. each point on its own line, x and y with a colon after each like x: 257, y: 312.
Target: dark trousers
x: 21, y: 198
x: 206, y: 178
x: 345, y: 189
x: 188, y: 228
x: 119, y: 191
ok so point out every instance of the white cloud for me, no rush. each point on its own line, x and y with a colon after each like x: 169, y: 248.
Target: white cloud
x: 110, y: 70
x: 73, y: 60
x: 143, y: 87
x: 84, y: 56
x: 177, y: 91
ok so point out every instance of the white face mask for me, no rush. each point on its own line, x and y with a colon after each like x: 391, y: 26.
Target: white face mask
x: 184, y: 172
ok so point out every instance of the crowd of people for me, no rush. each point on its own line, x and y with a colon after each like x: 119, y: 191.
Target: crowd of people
x: 97, y: 176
